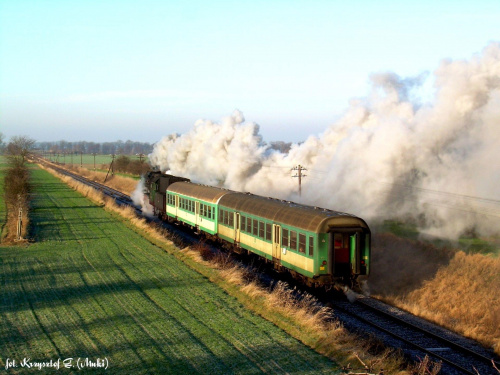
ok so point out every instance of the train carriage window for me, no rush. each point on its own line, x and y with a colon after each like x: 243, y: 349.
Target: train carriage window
x: 231, y: 219
x: 210, y: 213
x: 284, y: 238
x: 293, y: 240
x: 268, y: 232
x: 255, y: 227
x: 243, y: 224
x: 311, y: 246
x: 261, y: 229
x: 221, y: 215
x: 302, y: 243
x: 249, y: 225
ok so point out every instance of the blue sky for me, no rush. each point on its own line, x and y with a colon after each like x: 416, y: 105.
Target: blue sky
x: 108, y: 70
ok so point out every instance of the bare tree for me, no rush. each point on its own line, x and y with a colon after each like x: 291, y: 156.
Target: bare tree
x: 19, y: 148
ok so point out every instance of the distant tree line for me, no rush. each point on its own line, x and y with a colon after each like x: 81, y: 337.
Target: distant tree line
x: 118, y: 148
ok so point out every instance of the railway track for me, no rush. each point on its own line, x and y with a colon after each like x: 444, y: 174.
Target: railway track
x: 118, y: 196
x: 414, y: 336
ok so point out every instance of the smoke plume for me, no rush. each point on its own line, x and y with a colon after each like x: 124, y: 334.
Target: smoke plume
x: 388, y: 156
x: 138, y: 199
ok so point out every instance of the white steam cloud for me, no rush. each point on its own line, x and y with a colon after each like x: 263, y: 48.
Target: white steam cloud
x: 139, y: 199
x: 387, y: 157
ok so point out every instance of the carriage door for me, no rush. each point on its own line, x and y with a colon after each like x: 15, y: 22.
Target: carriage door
x: 339, y: 254
x: 276, y: 242
x: 176, y: 212
x: 236, y: 227
x: 197, y: 213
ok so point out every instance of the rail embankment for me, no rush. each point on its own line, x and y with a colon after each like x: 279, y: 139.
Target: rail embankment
x: 454, y: 289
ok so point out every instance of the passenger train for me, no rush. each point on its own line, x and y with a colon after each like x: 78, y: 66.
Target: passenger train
x: 321, y: 247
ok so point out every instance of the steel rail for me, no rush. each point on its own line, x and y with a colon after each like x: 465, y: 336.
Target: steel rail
x: 431, y: 334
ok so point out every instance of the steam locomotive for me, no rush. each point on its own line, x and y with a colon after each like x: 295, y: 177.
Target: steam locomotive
x: 320, y: 247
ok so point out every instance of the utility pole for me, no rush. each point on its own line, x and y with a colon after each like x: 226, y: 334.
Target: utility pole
x: 94, y: 159
x: 81, y: 159
x: 19, y: 233
x: 111, y: 167
x: 299, y: 168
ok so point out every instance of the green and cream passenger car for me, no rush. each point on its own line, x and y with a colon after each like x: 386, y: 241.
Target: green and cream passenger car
x: 317, y: 245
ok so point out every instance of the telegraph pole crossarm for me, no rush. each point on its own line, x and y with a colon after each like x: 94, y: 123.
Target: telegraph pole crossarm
x: 299, y: 168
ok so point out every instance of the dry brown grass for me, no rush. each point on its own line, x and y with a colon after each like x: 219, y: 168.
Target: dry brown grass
x: 10, y: 230
x: 463, y: 296
x: 124, y: 184
x: 451, y: 288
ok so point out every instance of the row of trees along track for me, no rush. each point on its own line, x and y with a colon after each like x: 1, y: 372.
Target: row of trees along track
x: 455, y: 357
x: 16, y: 189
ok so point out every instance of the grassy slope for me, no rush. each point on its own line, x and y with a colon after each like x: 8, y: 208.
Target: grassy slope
x: 452, y: 288
x: 90, y: 287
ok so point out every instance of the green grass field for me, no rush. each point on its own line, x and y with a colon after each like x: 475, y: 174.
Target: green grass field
x: 86, y: 159
x: 90, y: 287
